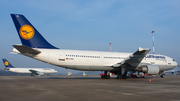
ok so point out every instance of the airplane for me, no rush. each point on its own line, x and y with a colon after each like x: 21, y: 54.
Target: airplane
x: 34, y: 45
x: 173, y: 72
x: 31, y: 71
x: 177, y: 71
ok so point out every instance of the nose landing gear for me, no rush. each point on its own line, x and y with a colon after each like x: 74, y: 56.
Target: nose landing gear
x: 162, y: 75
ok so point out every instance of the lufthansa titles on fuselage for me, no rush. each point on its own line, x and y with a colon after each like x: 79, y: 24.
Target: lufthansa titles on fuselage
x: 155, y: 56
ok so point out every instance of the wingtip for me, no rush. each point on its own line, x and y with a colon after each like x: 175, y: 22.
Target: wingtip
x: 141, y: 49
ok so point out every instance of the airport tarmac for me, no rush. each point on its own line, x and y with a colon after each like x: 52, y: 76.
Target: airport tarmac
x: 89, y: 88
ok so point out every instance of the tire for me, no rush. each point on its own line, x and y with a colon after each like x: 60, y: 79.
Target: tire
x: 162, y: 76
x: 124, y: 77
x: 102, y: 76
x: 118, y: 77
x: 108, y: 77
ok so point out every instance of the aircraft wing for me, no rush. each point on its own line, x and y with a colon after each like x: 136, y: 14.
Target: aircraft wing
x: 133, y: 59
x: 33, y: 72
x: 36, y: 72
x: 26, y: 50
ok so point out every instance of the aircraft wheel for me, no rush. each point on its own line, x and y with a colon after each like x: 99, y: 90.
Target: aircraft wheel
x: 124, y: 77
x: 105, y: 77
x: 108, y: 77
x: 119, y: 77
x: 162, y: 76
x: 102, y: 76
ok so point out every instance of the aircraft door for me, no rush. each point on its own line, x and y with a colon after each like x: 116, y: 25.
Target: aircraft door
x: 62, y: 56
x: 101, y: 57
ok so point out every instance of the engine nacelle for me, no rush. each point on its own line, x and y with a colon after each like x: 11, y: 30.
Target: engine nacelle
x: 40, y: 73
x: 150, y: 69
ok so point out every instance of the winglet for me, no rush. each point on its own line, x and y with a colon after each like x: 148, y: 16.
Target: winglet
x: 141, y: 49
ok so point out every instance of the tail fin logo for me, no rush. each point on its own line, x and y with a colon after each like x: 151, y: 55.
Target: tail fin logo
x: 6, y: 63
x: 26, y: 32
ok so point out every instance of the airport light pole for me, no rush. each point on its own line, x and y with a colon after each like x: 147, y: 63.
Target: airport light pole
x: 153, y: 41
x: 110, y: 47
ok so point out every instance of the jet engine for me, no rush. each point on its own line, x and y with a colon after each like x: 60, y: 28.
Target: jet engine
x: 150, y: 69
x: 40, y: 73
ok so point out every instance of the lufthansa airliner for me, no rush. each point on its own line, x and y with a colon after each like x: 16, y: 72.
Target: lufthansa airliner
x: 34, y: 45
x: 31, y: 71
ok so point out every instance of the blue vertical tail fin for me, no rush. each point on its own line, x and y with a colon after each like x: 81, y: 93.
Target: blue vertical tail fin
x: 7, y: 64
x: 28, y: 34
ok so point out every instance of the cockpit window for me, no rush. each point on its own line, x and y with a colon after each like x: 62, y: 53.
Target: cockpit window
x: 173, y: 60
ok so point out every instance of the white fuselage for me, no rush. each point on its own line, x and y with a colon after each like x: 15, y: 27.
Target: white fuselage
x: 27, y: 70
x: 96, y: 60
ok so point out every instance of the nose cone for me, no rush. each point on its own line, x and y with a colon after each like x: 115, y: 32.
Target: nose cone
x: 175, y: 64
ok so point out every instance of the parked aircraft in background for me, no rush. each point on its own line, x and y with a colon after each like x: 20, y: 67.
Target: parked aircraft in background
x: 35, y: 46
x: 31, y: 71
x: 177, y: 71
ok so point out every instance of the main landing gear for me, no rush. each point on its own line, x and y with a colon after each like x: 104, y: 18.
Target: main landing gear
x: 105, y: 76
x: 122, y: 74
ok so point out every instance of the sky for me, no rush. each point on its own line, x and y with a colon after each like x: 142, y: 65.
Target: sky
x: 92, y: 25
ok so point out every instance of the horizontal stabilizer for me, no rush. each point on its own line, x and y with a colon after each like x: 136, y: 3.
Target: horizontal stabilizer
x: 24, y: 49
